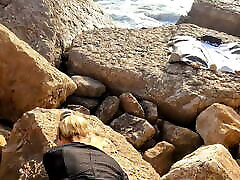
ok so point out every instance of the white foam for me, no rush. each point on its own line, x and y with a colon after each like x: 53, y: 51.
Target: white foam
x: 145, y: 13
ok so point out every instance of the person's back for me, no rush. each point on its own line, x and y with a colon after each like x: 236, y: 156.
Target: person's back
x: 79, y: 156
x: 80, y: 161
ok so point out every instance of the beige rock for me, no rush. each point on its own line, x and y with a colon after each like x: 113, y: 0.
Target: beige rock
x: 180, y: 91
x: 131, y: 105
x: 108, y: 109
x: 88, y: 87
x: 219, y: 124
x: 36, y: 132
x: 49, y: 26
x: 184, y: 140
x: 160, y: 157
x: 136, y: 130
x: 209, y: 162
x: 150, y: 110
x: 2, y: 141
x: 27, y: 80
x: 2, y: 144
x: 220, y: 15
x: 5, y: 130
x: 89, y: 103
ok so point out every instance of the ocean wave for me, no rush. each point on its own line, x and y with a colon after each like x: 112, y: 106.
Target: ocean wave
x: 142, y: 13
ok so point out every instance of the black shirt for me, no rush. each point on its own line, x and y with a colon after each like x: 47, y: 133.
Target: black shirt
x: 81, y: 162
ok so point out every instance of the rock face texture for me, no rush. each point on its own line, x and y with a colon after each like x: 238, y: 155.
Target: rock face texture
x: 131, y: 105
x: 27, y: 80
x: 210, y: 162
x: 36, y: 132
x: 180, y: 91
x: 219, y: 124
x: 49, y: 26
x: 79, y: 108
x: 108, y: 109
x: 136, y: 130
x: 151, y: 112
x: 184, y: 140
x: 221, y: 15
x: 160, y: 157
x: 88, y: 87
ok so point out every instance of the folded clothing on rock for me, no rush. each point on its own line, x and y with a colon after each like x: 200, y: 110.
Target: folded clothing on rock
x: 224, y: 57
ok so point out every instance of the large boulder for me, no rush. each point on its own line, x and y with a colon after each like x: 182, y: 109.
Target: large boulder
x: 36, y: 132
x: 49, y: 26
x: 27, y: 80
x: 184, y: 140
x: 219, y: 124
x: 209, y: 162
x: 136, y: 61
x: 221, y: 15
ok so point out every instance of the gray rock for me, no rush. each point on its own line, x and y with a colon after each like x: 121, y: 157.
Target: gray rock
x: 79, y: 108
x: 220, y: 15
x: 184, y: 140
x: 89, y: 103
x: 88, y: 87
x: 108, y: 109
x: 136, y: 130
x: 131, y: 105
x: 208, y: 162
x: 180, y: 91
x: 151, y: 112
x: 160, y: 157
x: 49, y: 26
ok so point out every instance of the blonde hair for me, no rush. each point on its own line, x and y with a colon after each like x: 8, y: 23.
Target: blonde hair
x: 73, y: 128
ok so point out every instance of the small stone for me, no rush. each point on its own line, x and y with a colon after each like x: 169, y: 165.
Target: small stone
x: 213, y: 67
x: 108, y: 109
x: 89, y: 103
x: 130, y: 105
x: 160, y: 157
x: 184, y: 140
x: 151, y: 112
x: 88, y: 87
x: 136, y: 130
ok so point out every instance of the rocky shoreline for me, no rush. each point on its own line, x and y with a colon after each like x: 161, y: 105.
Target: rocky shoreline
x: 163, y: 120
x: 220, y: 15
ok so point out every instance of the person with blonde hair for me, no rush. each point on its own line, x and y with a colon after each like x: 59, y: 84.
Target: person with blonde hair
x: 79, y: 155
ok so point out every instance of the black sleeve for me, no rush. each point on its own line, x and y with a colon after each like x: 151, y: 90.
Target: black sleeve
x: 54, y: 164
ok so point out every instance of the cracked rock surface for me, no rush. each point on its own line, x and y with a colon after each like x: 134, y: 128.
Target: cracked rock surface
x: 136, y: 61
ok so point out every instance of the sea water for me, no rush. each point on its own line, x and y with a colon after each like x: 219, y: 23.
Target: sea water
x: 145, y: 13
